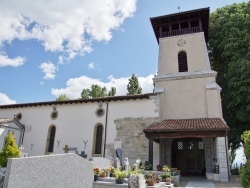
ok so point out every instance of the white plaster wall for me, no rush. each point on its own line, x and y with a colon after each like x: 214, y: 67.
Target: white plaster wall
x: 195, y: 47
x: 75, y: 123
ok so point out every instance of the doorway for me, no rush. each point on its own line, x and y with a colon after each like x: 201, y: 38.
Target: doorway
x: 188, y: 155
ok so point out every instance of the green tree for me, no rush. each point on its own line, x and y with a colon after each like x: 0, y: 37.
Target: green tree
x: 229, y: 46
x: 62, y: 97
x: 112, y: 92
x: 133, y: 86
x: 97, y: 91
x: 245, y: 171
x: 10, y: 150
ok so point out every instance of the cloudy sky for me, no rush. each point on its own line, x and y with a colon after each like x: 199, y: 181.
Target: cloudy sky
x: 48, y: 48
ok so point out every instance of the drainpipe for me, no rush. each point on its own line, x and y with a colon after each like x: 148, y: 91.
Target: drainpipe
x: 106, y: 125
x: 227, y: 156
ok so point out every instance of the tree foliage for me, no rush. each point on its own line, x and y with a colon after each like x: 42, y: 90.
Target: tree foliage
x: 97, y: 91
x: 133, y: 86
x: 229, y: 44
x: 62, y: 97
x: 10, y: 150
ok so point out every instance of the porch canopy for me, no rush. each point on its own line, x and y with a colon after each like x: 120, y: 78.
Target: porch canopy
x: 183, y: 128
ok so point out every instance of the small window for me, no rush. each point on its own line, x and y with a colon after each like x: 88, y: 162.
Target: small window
x: 180, y: 145
x: 19, y: 116
x: 54, y: 115
x: 182, y: 61
x: 99, y: 112
x: 201, y: 145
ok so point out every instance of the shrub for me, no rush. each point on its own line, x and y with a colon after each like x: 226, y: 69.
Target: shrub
x: 10, y: 150
x: 245, y: 171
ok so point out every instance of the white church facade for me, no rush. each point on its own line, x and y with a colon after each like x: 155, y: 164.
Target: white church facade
x: 180, y: 124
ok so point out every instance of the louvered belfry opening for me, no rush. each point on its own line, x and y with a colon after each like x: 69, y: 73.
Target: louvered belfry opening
x: 182, y: 60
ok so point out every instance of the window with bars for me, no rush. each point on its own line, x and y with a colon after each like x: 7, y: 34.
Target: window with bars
x: 182, y: 61
x: 180, y: 145
x: 201, y: 145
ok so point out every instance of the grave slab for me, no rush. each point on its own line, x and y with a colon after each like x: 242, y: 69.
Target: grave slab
x: 50, y: 171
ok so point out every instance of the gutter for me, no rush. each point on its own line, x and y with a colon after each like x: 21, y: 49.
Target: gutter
x: 106, y: 125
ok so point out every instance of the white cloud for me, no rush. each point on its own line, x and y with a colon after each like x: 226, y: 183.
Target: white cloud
x: 49, y: 69
x: 13, y: 62
x: 91, y: 65
x: 4, y: 99
x: 63, y: 25
x: 74, y: 86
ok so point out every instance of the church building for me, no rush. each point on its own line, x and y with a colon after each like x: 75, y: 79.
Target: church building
x: 179, y: 124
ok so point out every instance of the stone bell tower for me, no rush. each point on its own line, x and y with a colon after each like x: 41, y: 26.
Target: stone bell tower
x: 184, y: 72
x: 191, y: 132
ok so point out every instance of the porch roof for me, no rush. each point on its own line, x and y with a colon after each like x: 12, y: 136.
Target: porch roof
x: 181, y: 128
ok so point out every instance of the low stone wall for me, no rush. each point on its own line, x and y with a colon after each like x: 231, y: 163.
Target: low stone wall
x: 134, y: 143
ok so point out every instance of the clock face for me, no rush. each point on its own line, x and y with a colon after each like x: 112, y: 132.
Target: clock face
x: 181, y: 42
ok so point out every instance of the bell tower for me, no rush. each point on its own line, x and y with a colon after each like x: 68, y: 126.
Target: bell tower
x: 184, y: 72
x: 191, y: 130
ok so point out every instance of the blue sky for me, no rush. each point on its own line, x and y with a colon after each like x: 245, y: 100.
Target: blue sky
x: 57, y: 47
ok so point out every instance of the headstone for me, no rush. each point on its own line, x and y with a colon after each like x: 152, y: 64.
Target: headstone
x: 136, y: 181
x: 83, y: 154
x: 117, y: 163
x: 57, y: 171
x: 118, y: 152
x: 101, y: 162
x: 72, y: 150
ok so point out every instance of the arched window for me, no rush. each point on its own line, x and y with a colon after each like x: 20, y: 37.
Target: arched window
x: 50, y: 139
x: 182, y: 61
x: 98, y: 143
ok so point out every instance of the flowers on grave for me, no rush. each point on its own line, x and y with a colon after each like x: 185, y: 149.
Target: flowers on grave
x: 103, y: 173
x: 97, y: 170
x: 152, y: 178
x: 175, y: 171
x: 111, y: 170
x: 165, y: 168
x: 166, y: 175
x: 168, y: 181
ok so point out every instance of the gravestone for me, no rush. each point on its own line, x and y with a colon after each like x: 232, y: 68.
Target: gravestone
x: 118, y: 152
x: 50, y: 171
x: 136, y: 181
x: 101, y: 162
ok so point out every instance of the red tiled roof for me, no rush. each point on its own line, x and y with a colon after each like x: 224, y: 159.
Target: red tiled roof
x: 199, y: 124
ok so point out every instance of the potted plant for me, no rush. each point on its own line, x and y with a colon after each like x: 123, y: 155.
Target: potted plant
x: 151, y: 178
x: 102, y: 173
x: 111, y: 171
x: 158, y: 167
x: 120, y: 176
x: 96, y: 173
x: 168, y: 181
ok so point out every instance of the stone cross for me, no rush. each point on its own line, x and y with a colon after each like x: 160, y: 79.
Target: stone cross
x: 66, y: 149
x: 21, y: 148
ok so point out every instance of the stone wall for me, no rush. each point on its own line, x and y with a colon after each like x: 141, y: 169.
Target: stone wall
x: 209, y: 154
x: 134, y: 144
x: 222, y: 155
